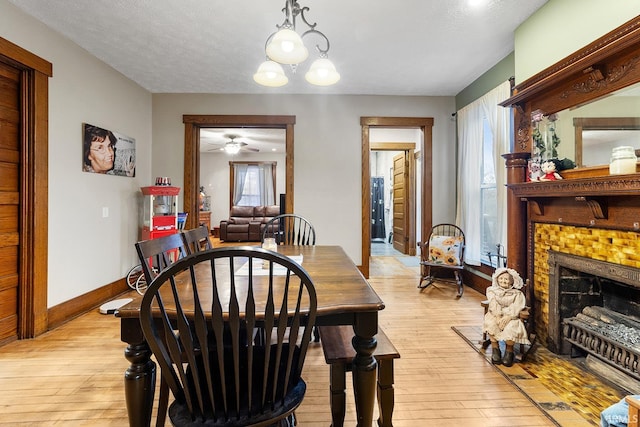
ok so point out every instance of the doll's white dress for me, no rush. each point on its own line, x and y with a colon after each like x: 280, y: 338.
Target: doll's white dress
x: 505, y: 302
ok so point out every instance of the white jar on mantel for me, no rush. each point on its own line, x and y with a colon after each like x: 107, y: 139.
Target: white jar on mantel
x: 623, y: 161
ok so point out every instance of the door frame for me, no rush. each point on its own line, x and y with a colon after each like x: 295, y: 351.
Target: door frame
x: 425, y: 124
x: 192, y: 125
x: 34, y: 188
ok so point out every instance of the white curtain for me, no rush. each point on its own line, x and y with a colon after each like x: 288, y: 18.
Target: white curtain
x: 500, y: 122
x: 266, y: 185
x: 239, y: 177
x: 470, y: 138
x: 254, y: 175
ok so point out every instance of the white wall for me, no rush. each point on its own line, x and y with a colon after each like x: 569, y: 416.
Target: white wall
x: 86, y: 251
x: 327, y: 170
x: 214, y: 177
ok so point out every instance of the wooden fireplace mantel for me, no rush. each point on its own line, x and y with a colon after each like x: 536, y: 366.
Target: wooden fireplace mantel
x: 606, y: 202
x: 610, y: 186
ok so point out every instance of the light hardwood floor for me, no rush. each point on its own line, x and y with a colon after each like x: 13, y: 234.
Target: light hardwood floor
x: 73, y: 376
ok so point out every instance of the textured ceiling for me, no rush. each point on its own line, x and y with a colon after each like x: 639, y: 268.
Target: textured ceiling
x: 380, y: 47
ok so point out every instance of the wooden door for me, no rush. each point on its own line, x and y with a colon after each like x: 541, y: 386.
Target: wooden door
x: 400, y: 205
x: 9, y: 199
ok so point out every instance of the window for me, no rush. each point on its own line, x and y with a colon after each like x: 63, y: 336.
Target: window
x: 253, y: 184
x: 250, y: 195
x: 488, y: 201
x: 484, y: 130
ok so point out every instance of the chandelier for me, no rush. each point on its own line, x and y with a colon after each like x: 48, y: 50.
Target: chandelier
x: 285, y: 46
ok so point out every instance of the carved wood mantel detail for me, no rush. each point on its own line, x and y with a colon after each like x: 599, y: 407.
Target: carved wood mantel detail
x: 612, y: 185
x: 607, y: 201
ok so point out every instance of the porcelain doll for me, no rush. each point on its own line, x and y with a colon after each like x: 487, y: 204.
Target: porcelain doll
x: 502, y: 321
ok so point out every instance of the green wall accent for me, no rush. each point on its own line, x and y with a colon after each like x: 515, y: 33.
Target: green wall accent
x: 498, y: 74
x: 561, y: 27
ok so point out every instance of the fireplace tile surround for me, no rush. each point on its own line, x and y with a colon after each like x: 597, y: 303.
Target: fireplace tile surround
x: 614, y: 246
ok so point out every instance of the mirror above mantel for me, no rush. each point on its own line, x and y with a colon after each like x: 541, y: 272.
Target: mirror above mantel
x: 602, y: 71
x: 590, y: 131
x: 595, y: 137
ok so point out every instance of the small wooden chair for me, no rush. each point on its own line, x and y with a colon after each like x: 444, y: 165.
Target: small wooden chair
x: 339, y: 353
x: 443, y: 250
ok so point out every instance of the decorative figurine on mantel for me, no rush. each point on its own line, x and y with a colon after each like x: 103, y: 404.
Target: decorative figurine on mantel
x: 550, y: 172
x: 502, y: 321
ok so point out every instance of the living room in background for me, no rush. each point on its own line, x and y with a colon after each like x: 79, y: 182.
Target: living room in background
x: 193, y: 159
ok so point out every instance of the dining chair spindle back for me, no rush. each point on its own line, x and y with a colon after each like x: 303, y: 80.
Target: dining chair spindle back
x: 159, y: 253
x: 290, y: 229
x: 196, y: 239
x: 194, y: 316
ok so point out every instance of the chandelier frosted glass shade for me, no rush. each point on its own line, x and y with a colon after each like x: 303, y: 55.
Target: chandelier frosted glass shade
x: 286, y: 47
x: 270, y: 74
x: 322, y: 73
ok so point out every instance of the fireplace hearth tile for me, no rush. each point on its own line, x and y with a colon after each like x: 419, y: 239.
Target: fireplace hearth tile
x: 559, y: 386
x: 555, y: 406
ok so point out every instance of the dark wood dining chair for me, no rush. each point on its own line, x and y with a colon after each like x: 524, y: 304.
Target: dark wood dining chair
x: 290, y: 229
x: 156, y: 255
x: 194, y: 315
x: 196, y: 239
x: 443, y: 251
x: 159, y: 253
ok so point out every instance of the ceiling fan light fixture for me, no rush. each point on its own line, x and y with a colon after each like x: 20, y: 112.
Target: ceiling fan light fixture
x: 270, y: 74
x: 232, y: 148
x: 322, y: 73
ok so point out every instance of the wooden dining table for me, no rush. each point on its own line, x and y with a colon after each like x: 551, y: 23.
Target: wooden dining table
x: 344, y: 298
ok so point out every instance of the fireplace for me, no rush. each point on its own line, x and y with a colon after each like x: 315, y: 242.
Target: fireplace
x: 593, y: 308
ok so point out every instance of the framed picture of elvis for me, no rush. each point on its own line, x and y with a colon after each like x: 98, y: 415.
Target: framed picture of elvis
x: 107, y: 152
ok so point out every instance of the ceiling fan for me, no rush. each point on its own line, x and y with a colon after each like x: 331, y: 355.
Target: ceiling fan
x: 234, y: 147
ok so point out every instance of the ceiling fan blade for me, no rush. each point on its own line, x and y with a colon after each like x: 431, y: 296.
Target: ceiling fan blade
x: 255, y: 150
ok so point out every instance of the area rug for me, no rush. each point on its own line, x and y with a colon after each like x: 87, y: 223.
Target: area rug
x: 563, y: 390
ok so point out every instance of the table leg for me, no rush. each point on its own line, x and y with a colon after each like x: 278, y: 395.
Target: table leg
x: 385, y: 392
x: 364, y: 366
x: 338, y: 396
x: 139, y: 384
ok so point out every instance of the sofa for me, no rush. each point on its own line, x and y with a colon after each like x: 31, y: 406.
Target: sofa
x: 246, y: 223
